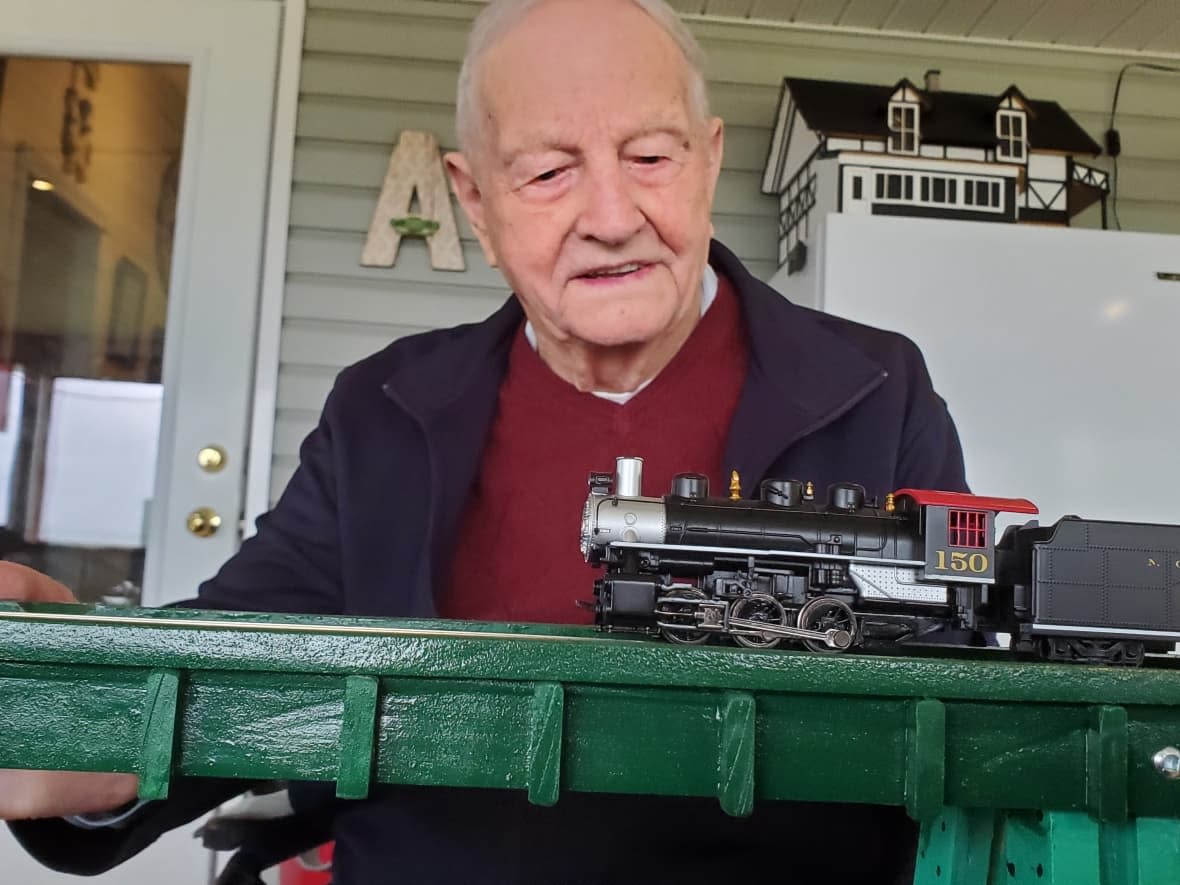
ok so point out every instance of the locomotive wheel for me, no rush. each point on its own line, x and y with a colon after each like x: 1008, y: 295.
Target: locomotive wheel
x: 681, y: 614
x: 764, y: 609
x: 825, y: 613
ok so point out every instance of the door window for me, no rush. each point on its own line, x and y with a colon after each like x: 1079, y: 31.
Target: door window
x: 90, y: 156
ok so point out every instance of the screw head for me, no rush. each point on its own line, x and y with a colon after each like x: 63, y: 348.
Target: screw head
x: 1167, y: 762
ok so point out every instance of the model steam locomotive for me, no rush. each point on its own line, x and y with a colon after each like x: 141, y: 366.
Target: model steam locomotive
x: 854, y: 573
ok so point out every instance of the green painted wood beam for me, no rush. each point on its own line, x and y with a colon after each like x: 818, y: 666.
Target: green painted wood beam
x: 1020, y: 772
x: 357, y: 737
x: 1106, y: 764
x: 955, y: 847
x: 158, y: 744
x: 547, y: 721
x: 735, y: 783
x: 925, y: 784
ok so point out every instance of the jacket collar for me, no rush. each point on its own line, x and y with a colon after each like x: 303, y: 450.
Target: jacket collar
x: 802, y: 375
x: 435, y: 374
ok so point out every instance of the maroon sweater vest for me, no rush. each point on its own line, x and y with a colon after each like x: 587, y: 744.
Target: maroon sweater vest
x: 516, y: 556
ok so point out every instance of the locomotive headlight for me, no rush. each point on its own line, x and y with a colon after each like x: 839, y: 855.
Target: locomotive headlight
x: 607, y: 519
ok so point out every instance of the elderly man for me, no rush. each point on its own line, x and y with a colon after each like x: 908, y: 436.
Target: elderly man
x: 445, y: 475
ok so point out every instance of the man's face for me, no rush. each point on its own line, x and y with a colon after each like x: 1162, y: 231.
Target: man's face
x: 592, y: 186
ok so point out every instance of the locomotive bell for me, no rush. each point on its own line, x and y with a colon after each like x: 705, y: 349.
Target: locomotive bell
x: 782, y: 492
x: 848, y: 497
x: 628, y: 477
x: 690, y: 485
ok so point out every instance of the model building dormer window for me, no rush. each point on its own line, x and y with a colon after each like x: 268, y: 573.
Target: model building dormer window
x: 1012, y: 135
x: 903, y: 127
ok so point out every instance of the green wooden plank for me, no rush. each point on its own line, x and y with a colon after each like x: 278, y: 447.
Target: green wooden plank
x: 456, y: 649
x: 1073, y: 848
x: 955, y: 848
x: 94, y: 715
x: 159, y: 734
x: 357, y: 737
x: 545, y: 744
x: 735, y: 782
x: 1157, y: 854
x: 547, y: 710
x: 1118, y: 853
x: 1106, y: 764
x: 925, y: 786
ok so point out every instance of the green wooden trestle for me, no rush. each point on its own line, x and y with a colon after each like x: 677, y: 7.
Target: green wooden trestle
x: 1018, y: 772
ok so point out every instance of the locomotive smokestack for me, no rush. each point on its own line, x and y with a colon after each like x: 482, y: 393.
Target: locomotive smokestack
x: 628, y: 477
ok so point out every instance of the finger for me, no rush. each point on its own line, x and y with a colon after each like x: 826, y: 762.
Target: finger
x: 24, y: 584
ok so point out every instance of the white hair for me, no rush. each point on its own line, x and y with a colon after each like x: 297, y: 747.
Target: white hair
x: 499, y: 16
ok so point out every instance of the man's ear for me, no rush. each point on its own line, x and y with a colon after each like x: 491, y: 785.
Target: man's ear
x: 716, y: 147
x: 463, y: 182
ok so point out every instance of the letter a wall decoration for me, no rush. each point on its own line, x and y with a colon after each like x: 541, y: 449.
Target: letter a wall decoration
x: 415, y: 167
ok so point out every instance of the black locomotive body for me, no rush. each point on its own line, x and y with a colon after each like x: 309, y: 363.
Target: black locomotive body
x: 845, y: 572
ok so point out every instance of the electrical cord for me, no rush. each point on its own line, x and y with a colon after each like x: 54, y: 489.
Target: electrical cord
x: 1114, y: 143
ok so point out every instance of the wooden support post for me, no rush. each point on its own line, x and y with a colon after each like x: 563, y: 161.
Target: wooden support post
x: 735, y: 780
x: 545, y: 740
x: 158, y: 743
x: 358, y: 733
x: 1106, y: 764
x: 925, y: 783
x: 955, y: 848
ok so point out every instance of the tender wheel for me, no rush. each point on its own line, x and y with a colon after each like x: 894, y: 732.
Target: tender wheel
x: 763, y: 609
x: 825, y: 613
x: 1075, y: 650
x: 679, y: 618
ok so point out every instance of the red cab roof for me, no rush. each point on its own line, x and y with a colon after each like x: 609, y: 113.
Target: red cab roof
x: 971, y: 502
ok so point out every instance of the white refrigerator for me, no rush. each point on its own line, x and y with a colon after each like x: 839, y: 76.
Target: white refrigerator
x: 1056, y: 349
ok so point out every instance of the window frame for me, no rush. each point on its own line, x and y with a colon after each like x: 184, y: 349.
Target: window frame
x: 967, y: 529
x: 908, y: 129
x: 1011, y: 145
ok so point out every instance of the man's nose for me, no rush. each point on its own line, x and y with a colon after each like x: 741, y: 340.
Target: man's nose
x: 610, y: 213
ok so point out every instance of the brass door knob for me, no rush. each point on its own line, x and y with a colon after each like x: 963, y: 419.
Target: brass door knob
x: 203, y: 522
x: 211, y: 458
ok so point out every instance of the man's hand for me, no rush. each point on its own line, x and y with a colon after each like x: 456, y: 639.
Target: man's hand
x: 23, y: 584
x: 28, y: 794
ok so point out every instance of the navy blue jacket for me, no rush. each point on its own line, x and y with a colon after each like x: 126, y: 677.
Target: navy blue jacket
x: 367, y: 522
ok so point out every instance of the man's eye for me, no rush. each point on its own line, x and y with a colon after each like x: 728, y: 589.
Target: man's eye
x: 548, y: 175
x: 650, y: 160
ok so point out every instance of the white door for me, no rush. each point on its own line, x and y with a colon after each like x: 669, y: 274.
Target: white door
x: 169, y: 296
x: 135, y: 140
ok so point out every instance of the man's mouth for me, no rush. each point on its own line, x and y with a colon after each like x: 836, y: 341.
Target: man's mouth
x: 620, y: 270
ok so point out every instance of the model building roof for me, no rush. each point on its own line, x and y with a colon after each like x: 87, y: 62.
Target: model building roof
x: 964, y: 119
